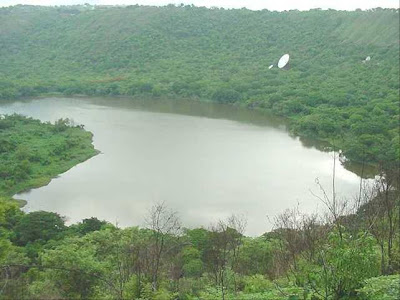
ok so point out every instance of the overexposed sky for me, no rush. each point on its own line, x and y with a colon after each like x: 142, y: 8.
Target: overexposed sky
x: 250, y: 4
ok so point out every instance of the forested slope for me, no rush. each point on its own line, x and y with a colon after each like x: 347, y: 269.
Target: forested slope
x: 220, y: 55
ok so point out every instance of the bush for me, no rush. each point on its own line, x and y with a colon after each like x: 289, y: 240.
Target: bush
x: 381, y: 288
x: 226, y: 96
x: 256, y: 284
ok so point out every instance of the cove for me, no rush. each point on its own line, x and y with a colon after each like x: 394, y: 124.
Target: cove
x: 205, y: 160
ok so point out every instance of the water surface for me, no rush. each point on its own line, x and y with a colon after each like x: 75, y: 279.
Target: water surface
x: 206, y: 161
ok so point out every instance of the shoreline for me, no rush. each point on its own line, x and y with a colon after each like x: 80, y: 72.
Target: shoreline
x: 22, y: 202
x: 44, y: 155
x: 322, y: 144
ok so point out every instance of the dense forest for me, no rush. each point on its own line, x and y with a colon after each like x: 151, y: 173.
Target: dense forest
x: 330, y: 92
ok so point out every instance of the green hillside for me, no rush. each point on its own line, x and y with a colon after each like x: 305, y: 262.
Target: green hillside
x: 220, y: 55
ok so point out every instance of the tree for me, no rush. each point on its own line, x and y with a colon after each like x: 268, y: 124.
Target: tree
x: 74, y: 270
x: 256, y: 257
x: 342, y: 265
x: 299, y: 237
x: 39, y: 226
x: 224, y: 249
x: 89, y: 225
x: 163, y: 222
x: 379, y: 212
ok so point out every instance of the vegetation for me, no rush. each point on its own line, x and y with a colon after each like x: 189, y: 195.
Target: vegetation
x: 31, y: 153
x: 348, y: 254
x: 352, y: 252
x: 303, y: 258
x: 330, y: 92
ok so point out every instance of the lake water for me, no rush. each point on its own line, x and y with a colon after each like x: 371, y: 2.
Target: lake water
x: 206, y: 161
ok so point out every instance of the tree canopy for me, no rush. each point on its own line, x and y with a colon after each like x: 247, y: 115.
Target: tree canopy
x: 330, y: 91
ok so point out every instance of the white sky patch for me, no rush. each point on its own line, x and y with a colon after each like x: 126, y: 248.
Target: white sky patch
x: 250, y: 4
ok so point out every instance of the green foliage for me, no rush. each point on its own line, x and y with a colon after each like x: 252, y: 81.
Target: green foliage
x: 210, y: 54
x: 341, y: 266
x: 329, y: 92
x: 42, y: 287
x: 192, y: 263
x: 38, y: 226
x: 266, y: 290
x: 381, y: 288
x: 112, y: 263
x: 62, y: 125
x: 198, y: 237
x: 255, y: 256
x: 9, y: 214
x: 257, y: 284
x: 88, y: 225
x: 31, y: 152
x: 74, y: 270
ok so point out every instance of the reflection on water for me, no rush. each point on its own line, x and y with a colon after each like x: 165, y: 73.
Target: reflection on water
x: 365, y: 171
x: 204, y: 160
